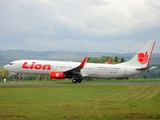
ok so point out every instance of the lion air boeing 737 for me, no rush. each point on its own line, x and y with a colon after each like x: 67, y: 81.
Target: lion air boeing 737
x: 77, y: 71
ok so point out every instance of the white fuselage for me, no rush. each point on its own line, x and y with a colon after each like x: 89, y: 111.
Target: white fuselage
x: 89, y: 70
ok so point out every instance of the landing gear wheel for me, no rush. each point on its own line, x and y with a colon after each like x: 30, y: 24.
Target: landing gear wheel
x: 74, y: 80
x: 16, y: 76
x: 79, y: 80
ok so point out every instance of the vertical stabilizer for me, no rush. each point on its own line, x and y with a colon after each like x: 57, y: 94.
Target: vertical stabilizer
x: 142, y: 58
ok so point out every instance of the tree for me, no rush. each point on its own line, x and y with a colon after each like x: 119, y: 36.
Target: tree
x: 103, y: 59
x: 3, y: 73
x: 116, y: 60
x: 94, y: 60
x: 122, y: 60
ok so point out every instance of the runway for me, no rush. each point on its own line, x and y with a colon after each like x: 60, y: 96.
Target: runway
x: 83, y: 83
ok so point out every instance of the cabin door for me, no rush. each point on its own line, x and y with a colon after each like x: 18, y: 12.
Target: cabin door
x: 125, y: 71
x: 19, y: 65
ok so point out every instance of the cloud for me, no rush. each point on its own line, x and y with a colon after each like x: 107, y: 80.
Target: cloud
x: 90, y: 25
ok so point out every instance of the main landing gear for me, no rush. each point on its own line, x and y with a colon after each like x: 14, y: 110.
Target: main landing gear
x: 16, y: 76
x: 77, y: 80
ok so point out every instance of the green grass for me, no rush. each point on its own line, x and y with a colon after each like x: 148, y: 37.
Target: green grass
x: 80, y: 102
x: 69, y: 81
x: 125, y: 80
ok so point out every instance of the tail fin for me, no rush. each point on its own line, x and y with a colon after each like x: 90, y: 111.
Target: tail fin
x: 142, y: 58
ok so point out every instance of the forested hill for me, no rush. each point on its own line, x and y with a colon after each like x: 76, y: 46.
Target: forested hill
x: 11, y: 55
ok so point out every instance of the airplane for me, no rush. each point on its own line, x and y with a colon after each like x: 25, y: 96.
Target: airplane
x: 77, y: 71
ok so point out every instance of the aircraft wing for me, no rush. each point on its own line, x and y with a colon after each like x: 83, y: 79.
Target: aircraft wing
x: 76, y: 71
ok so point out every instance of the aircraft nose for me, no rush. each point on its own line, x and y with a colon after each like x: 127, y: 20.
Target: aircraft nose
x: 5, y: 67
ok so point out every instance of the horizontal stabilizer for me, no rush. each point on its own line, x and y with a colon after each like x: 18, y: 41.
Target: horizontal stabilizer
x: 146, y: 68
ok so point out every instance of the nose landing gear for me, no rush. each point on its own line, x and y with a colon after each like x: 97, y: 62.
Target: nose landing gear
x: 16, y: 76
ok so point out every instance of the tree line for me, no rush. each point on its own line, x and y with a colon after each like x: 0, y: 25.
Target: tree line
x: 104, y: 59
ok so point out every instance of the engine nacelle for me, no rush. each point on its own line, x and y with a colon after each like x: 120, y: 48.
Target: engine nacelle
x: 57, y: 75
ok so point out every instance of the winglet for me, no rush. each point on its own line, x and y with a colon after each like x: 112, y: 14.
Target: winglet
x: 83, y: 63
x: 109, y: 61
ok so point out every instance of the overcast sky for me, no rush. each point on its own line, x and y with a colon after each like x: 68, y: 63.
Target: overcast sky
x: 79, y: 25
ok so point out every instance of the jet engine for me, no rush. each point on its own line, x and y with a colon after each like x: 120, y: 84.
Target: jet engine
x: 57, y: 75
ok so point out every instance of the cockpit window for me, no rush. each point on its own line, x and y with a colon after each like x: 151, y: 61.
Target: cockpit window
x: 11, y: 64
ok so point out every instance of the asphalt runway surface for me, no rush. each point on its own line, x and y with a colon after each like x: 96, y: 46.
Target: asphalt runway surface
x: 83, y: 83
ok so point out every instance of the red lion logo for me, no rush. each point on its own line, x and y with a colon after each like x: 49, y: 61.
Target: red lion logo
x: 143, y: 57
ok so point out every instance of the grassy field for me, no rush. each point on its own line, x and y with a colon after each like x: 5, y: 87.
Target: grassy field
x: 80, y: 102
x: 69, y: 81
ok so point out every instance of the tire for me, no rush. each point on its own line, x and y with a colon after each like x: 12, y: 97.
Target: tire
x: 17, y: 77
x: 74, y: 81
x: 79, y: 80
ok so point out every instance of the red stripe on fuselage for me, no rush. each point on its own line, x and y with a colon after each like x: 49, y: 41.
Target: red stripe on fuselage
x: 151, y: 53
